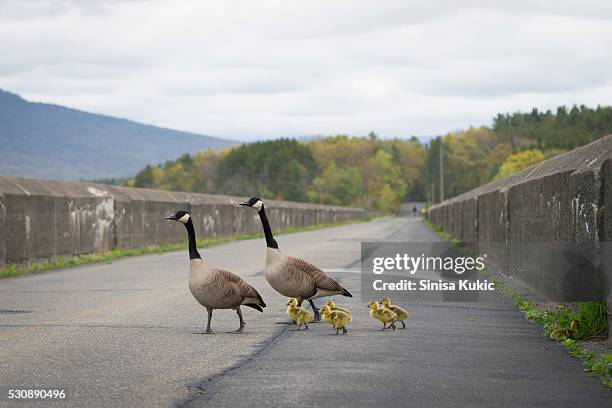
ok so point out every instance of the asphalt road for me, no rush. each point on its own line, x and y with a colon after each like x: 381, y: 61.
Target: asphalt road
x: 122, y: 334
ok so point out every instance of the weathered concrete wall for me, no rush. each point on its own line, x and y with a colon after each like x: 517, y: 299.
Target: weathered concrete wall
x: 604, y: 218
x: 41, y: 219
x: 564, y: 201
x: 2, y: 232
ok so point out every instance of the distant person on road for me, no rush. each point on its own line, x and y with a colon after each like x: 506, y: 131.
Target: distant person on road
x: 414, y: 211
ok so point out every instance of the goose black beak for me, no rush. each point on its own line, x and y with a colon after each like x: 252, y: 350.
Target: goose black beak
x: 170, y: 217
x: 244, y: 203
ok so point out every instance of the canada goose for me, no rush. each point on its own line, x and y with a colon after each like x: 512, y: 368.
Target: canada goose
x: 402, y: 314
x: 293, y: 277
x: 564, y: 332
x: 299, y: 315
x: 216, y: 288
x: 337, y: 318
x: 332, y: 306
x: 382, y: 315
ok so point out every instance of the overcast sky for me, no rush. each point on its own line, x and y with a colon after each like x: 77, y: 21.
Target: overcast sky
x: 261, y: 69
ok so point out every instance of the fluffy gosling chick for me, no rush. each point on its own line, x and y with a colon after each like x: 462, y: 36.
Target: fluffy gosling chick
x: 385, y: 316
x: 564, y: 332
x: 337, y: 318
x: 332, y: 306
x: 299, y: 315
x: 401, y: 313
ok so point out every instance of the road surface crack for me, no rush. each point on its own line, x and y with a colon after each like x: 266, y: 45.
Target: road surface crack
x: 198, y: 389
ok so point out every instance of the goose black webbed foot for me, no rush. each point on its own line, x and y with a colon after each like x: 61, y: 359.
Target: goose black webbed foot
x: 317, y: 317
x: 208, y: 331
x: 237, y: 331
x: 316, y: 313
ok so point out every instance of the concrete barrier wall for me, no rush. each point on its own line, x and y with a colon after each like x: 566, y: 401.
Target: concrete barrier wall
x: 565, y: 200
x: 42, y: 219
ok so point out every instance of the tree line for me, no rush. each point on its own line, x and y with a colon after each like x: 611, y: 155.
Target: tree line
x: 380, y: 174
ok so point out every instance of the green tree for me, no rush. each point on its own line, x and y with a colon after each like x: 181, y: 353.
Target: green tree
x: 379, y: 173
x: 281, y: 169
x: 519, y: 161
x: 383, y: 182
x: 341, y: 186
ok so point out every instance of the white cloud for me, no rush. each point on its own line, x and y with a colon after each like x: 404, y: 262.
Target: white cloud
x: 250, y: 70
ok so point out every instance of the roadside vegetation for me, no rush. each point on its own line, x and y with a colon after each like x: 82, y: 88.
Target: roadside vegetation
x: 592, y: 325
x: 118, y: 253
x: 591, y: 318
x: 379, y: 174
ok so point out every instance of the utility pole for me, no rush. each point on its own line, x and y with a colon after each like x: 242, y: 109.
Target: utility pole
x: 441, y: 171
x: 432, y: 193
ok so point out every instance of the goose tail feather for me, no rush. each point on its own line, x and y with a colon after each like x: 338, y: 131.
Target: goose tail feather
x: 254, y: 306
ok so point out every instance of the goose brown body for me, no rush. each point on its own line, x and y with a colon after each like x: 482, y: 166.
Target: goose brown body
x: 220, y: 289
x: 294, y: 277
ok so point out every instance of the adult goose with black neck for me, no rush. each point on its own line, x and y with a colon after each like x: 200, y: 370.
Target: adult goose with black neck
x: 216, y: 288
x: 293, y: 277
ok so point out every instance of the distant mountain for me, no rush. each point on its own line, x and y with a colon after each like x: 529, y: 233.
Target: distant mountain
x: 49, y: 141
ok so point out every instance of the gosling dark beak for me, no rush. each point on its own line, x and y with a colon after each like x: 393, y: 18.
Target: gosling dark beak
x: 170, y: 217
x: 244, y: 203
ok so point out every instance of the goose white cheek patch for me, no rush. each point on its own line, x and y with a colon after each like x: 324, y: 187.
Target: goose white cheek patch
x: 184, y: 218
x: 257, y: 205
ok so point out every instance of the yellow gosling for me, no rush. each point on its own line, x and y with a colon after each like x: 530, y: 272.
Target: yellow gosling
x: 332, y: 306
x: 574, y: 327
x: 299, y: 315
x: 564, y: 332
x: 402, y: 314
x: 337, y: 318
x: 385, y: 316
